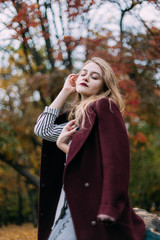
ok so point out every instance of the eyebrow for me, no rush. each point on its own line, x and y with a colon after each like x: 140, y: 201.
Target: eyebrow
x: 92, y: 72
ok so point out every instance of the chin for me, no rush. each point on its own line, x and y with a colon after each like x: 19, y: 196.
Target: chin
x: 81, y: 92
x: 78, y: 90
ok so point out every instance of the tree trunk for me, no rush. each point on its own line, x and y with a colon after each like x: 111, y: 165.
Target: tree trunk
x: 20, y: 201
x: 21, y: 170
x: 33, y: 206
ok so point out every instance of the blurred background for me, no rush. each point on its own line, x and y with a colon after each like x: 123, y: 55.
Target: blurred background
x: 41, y: 42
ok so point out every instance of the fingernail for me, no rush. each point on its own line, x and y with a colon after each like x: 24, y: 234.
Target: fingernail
x: 77, y: 128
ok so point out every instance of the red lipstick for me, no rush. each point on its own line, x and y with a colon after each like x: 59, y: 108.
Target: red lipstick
x: 84, y: 84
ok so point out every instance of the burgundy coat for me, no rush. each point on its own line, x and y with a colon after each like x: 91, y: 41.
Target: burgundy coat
x: 95, y: 177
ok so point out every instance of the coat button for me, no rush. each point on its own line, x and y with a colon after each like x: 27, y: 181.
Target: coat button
x: 86, y: 185
x: 41, y: 214
x: 44, y: 155
x: 43, y: 185
x: 93, y: 223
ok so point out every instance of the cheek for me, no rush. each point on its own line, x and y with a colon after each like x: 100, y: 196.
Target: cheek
x: 98, y: 87
x: 77, y: 81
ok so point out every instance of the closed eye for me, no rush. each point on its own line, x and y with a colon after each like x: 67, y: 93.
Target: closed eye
x: 83, y: 74
x: 95, y: 77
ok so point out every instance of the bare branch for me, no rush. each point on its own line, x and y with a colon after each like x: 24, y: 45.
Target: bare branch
x: 60, y: 16
x: 45, y: 30
x: 54, y: 21
x: 21, y: 170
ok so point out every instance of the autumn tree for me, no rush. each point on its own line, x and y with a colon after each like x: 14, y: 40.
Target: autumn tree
x: 47, y: 41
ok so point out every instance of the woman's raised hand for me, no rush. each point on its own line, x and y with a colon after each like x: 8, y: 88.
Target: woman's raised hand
x: 69, y: 87
x: 70, y: 83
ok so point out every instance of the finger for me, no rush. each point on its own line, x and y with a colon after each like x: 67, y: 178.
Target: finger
x: 71, y: 123
x: 105, y: 217
x: 73, y: 81
x: 75, y: 129
x: 109, y: 223
x: 71, y: 132
x: 72, y: 127
x: 72, y: 76
x: 69, y: 76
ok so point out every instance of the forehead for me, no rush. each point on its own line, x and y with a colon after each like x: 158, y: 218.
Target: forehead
x: 92, y: 67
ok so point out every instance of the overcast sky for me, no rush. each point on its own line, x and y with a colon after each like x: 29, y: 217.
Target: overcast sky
x: 148, y: 13
x: 107, y: 15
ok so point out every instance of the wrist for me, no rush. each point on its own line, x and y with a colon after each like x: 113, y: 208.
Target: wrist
x: 60, y: 99
x: 66, y: 92
x: 63, y: 146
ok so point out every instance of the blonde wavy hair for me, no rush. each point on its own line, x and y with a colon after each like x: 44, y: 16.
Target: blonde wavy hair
x: 78, y: 107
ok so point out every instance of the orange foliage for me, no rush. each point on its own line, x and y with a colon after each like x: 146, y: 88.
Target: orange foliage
x: 157, y: 92
x: 27, y: 16
x: 140, y: 138
x: 131, y: 96
x: 77, y: 7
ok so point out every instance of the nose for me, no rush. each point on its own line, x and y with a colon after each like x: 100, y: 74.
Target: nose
x: 85, y: 78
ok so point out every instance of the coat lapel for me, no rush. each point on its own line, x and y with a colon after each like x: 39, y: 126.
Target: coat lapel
x: 80, y: 137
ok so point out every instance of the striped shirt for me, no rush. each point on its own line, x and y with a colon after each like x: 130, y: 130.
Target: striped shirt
x: 45, y: 126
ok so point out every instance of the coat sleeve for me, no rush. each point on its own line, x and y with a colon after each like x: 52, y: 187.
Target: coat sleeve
x: 115, y: 155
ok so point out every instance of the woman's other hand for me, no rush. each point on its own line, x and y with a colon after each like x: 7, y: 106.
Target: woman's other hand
x: 70, y: 83
x: 108, y: 220
x: 66, y: 135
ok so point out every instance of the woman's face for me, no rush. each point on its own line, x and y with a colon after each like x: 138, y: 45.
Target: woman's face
x: 89, y: 81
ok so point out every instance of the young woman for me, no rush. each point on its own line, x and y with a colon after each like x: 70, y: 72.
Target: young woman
x: 86, y: 151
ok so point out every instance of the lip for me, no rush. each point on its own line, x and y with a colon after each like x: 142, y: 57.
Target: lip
x: 83, y: 84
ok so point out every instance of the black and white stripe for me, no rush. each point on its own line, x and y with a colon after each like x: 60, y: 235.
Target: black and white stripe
x: 45, y: 126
